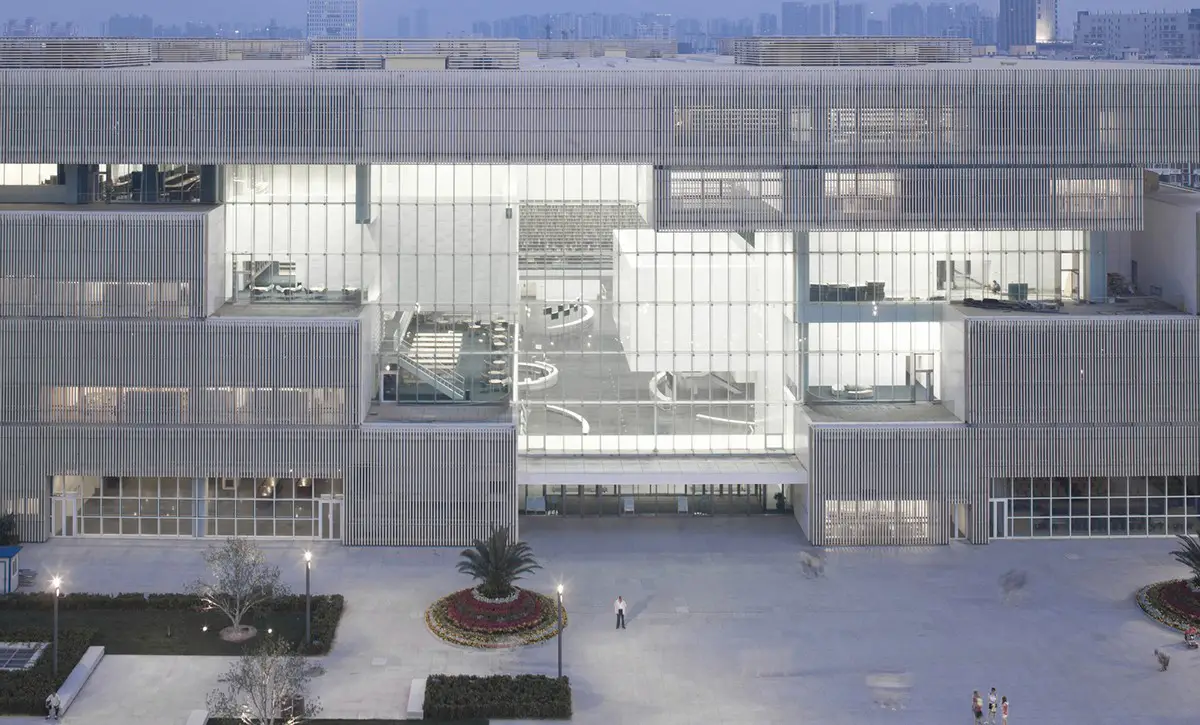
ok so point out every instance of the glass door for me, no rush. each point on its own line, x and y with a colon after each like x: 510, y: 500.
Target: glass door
x: 999, y: 518
x: 64, y: 510
x: 329, y: 518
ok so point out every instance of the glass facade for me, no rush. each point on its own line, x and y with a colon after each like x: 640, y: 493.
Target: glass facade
x: 539, y: 286
x: 1118, y: 506
x: 156, y: 506
x: 544, y: 286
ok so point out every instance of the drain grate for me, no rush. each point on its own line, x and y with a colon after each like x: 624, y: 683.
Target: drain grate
x: 17, y: 656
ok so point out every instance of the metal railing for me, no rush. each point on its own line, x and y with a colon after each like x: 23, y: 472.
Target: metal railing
x: 448, y: 382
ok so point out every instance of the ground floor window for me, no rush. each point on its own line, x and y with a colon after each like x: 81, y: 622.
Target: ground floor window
x: 175, y: 506
x: 872, y: 522
x: 1099, y: 506
x: 625, y: 499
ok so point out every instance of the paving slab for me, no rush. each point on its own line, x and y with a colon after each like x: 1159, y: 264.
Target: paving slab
x: 722, y: 626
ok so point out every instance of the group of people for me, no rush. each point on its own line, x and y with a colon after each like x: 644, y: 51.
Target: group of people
x: 993, y: 704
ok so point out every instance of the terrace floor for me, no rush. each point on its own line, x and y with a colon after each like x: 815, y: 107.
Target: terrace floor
x: 723, y: 627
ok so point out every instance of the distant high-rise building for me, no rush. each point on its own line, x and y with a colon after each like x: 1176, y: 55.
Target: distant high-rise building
x: 334, y: 19
x: 1047, y: 21
x: 820, y: 19
x: 794, y: 18
x: 1026, y: 22
x: 1176, y: 35
x: 129, y: 26
x: 421, y: 24
x: 768, y: 24
x: 906, y: 20
x: 850, y: 19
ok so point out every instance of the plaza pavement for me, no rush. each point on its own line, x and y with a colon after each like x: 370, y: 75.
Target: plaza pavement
x: 723, y: 627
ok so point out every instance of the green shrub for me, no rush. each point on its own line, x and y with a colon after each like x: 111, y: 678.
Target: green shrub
x: 509, y: 697
x: 24, y: 692
x: 326, y: 608
x: 326, y: 614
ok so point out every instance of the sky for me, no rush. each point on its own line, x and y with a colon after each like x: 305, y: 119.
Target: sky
x: 453, y: 14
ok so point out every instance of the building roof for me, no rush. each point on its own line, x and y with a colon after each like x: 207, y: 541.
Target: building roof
x: 1178, y: 196
x: 708, y: 62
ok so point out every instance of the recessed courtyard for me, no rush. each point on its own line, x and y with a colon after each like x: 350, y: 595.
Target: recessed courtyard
x: 723, y: 626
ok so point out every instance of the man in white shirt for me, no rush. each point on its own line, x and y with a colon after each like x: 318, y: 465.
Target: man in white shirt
x: 619, y: 608
x: 53, y: 706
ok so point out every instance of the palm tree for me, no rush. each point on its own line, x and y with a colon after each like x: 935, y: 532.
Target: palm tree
x: 497, y: 562
x: 1189, y: 555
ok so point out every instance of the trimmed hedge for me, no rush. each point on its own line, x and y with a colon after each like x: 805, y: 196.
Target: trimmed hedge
x: 319, y: 721
x: 508, y: 697
x: 24, y: 692
x: 326, y: 608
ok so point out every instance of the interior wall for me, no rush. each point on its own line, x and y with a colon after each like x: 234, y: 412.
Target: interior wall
x: 1166, y: 252
x: 868, y: 354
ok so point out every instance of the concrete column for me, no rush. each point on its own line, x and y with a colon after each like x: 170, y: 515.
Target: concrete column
x: 81, y: 181
x: 150, y: 190
x: 362, y: 194
x: 803, y: 282
x: 199, y: 508
x: 1097, y: 266
x: 212, y: 184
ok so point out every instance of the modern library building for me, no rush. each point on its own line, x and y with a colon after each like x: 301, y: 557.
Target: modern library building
x: 396, y: 306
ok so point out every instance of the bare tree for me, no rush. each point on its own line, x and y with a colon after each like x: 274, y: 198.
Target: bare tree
x: 266, y: 687
x: 241, y: 580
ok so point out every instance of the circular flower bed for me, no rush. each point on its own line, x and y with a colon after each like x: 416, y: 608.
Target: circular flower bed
x: 469, y: 619
x: 1171, y: 603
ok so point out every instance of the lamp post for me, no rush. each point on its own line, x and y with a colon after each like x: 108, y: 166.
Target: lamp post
x: 56, y: 582
x: 560, y: 628
x: 307, y: 598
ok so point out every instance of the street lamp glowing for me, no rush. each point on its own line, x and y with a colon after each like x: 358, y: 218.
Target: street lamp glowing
x: 56, y: 582
x: 308, y: 557
x: 560, y: 590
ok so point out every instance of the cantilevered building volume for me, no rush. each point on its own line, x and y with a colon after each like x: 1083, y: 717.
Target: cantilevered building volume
x: 903, y: 304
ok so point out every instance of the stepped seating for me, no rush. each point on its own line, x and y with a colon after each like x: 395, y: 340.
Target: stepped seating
x: 572, y: 236
x: 437, y: 351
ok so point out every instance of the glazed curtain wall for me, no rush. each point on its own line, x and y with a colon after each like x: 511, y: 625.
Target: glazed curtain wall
x: 920, y: 266
x: 441, y: 235
x: 665, y: 342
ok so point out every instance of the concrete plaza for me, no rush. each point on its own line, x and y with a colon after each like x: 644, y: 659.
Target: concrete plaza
x: 723, y: 627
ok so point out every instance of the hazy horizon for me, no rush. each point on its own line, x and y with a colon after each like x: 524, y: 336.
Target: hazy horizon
x: 456, y: 15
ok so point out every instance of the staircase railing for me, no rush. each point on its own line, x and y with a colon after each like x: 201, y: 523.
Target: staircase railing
x: 447, y: 382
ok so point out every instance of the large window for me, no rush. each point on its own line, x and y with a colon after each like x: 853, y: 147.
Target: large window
x: 172, y: 506
x: 1100, y: 506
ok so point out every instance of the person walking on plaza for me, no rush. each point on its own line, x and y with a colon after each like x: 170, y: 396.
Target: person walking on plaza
x: 1004, y: 710
x: 977, y: 706
x: 619, y: 608
x: 992, y: 707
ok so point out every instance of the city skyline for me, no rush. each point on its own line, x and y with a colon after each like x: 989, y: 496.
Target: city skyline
x: 380, y: 19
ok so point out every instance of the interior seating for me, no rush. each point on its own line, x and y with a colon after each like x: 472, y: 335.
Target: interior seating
x: 573, y: 236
